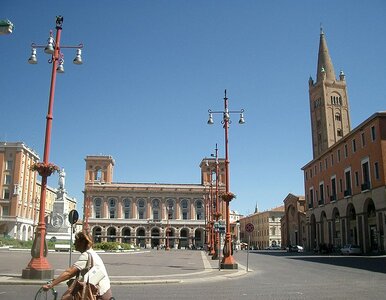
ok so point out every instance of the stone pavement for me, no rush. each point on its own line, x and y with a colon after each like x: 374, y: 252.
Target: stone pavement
x: 126, y: 268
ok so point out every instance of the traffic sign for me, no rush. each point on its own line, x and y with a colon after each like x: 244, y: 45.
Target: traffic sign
x: 249, y: 227
x: 73, y: 217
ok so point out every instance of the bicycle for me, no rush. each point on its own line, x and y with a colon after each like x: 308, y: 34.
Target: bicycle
x: 50, y: 294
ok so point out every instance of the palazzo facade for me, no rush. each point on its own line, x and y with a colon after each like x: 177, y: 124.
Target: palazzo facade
x: 20, y: 192
x: 146, y: 214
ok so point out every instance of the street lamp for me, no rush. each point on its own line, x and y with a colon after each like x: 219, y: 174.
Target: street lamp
x: 170, y: 212
x: 87, y: 214
x: 210, y: 215
x: 228, y: 262
x: 39, y: 267
x: 216, y: 213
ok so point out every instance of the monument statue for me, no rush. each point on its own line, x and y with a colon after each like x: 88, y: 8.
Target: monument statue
x: 62, y: 179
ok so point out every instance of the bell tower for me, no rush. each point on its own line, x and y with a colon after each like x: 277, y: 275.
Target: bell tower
x: 329, y: 107
x: 99, y: 169
x: 208, y: 166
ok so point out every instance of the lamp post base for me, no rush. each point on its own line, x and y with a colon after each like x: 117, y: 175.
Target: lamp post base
x: 38, y: 268
x: 30, y: 273
x: 229, y: 262
x: 234, y: 266
x: 215, y: 253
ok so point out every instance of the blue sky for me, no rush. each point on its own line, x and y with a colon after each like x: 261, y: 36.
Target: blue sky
x: 152, y: 69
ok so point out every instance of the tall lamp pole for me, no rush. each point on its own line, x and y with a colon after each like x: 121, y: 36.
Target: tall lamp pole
x: 210, y: 216
x: 167, y: 234
x: 86, y: 214
x: 228, y: 262
x: 216, y: 213
x: 39, y: 267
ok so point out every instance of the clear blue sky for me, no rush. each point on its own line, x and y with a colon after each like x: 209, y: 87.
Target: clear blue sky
x: 152, y: 69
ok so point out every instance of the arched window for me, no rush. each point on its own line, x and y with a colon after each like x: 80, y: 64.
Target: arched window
x: 97, y: 207
x: 126, y: 208
x: 141, y: 209
x: 155, y: 208
x: 170, y: 209
x: 338, y: 117
x: 184, y: 209
x: 112, y: 208
x: 199, y: 210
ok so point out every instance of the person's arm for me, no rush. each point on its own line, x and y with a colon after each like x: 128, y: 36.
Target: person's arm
x: 67, y: 274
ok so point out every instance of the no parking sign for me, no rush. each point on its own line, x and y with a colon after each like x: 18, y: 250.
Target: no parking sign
x: 249, y: 227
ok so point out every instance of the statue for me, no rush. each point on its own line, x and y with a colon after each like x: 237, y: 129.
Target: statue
x: 62, y: 176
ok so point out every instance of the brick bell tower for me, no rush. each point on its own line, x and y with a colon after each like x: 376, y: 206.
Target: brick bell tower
x: 329, y: 107
x: 99, y: 169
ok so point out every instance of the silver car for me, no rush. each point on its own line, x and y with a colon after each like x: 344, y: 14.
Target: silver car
x: 351, y: 249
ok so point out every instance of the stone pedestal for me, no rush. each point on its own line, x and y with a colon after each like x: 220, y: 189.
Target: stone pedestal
x: 58, y: 226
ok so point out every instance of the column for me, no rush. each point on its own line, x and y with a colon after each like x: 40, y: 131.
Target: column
x: 119, y: 207
x: 134, y: 209
x: 178, y: 209
x: 148, y: 204
x: 344, y: 233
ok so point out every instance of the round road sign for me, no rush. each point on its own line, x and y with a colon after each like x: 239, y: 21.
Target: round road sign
x: 73, y: 217
x: 249, y: 227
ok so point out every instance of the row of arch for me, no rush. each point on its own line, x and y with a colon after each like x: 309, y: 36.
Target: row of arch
x: 153, y: 237
x: 141, y: 208
x: 353, y: 225
x: 21, y: 231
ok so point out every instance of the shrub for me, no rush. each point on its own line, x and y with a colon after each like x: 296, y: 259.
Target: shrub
x: 112, y: 246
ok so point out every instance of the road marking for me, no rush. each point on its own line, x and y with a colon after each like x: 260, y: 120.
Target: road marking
x: 205, y: 260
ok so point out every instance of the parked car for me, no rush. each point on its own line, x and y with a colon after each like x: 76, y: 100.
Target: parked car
x: 273, y: 247
x: 350, y: 249
x: 295, y: 248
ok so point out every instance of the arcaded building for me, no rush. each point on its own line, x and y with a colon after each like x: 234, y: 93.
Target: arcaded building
x: 345, y: 181
x: 147, y: 214
x: 20, y: 189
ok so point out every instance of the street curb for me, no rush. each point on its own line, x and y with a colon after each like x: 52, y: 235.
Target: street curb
x: 15, y: 279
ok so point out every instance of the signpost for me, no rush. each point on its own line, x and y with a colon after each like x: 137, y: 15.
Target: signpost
x: 73, y: 217
x: 220, y: 227
x: 249, y: 228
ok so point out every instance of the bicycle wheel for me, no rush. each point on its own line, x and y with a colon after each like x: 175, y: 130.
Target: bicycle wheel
x: 50, y: 294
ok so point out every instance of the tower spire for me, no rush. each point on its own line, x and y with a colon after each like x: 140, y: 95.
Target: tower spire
x: 325, y: 66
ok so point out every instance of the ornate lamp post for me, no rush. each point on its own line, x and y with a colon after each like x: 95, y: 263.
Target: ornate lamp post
x: 228, y: 262
x: 170, y: 211
x: 210, y: 217
x: 39, y: 267
x: 213, y: 210
x: 216, y: 212
x: 86, y: 214
x: 207, y: 220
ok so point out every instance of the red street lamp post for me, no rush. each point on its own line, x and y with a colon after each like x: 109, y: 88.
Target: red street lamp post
x: 213, y: 213
x: 216, y: 213
x: 228, y: 262
x: 207, y: 221
x: 39, y: 267
x: 167, y: 233
x: 86, y: 214
x: 210, y: 217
